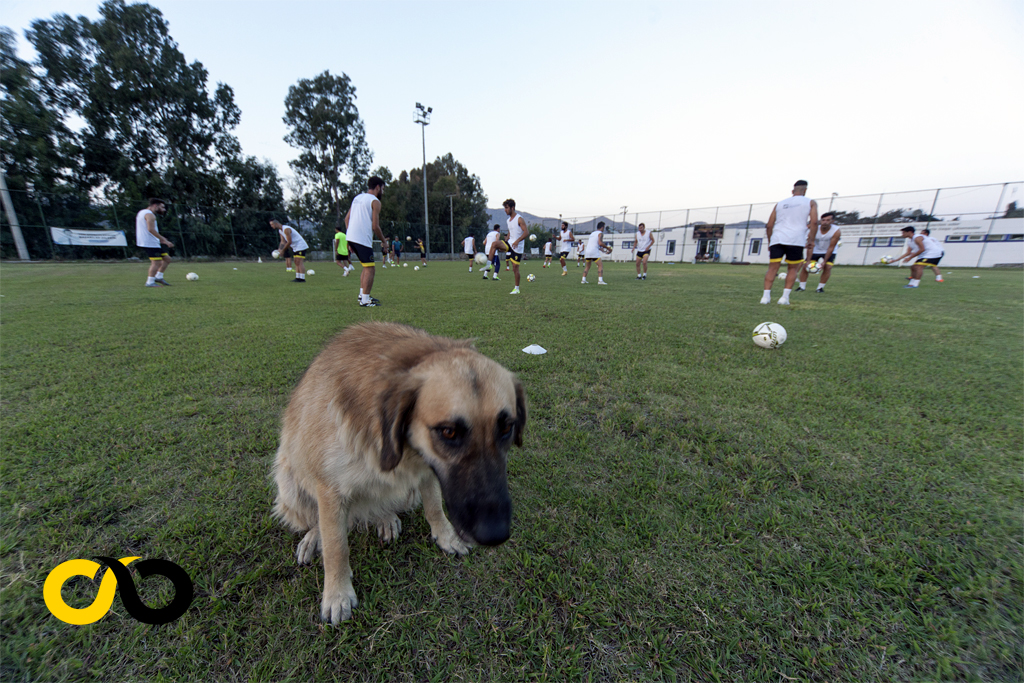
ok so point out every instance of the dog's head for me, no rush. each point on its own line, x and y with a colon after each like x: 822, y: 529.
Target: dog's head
x: 461, y: 412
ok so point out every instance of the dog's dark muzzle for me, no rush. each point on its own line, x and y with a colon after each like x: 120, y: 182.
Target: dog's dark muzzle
x: 479, y: 504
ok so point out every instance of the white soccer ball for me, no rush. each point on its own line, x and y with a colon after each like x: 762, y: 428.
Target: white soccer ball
x: 191, y: 276
x: 415, y: 267
x: 769, y: 335
x: 781, y: 276
x: 405, y: 265
x: 813, y: 267
x: 310, y: 272
x: 531, y: 277
x: 533, y: 237
x: 276, y: 253
x: 884, y: 260
x: 481, y: 258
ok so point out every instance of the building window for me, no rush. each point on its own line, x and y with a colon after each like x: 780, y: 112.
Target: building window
x: 1015, y: 238
x: 864, y: 242
x: 884, y: 241
x: 627, y: 245
x: 974, y: 238
x: 995, y: 238
x: 954, y: 238
x: 755, y: 245
x: 670, y: 247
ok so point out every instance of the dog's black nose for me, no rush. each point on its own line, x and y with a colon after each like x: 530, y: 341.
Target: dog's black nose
x: 492, y: 530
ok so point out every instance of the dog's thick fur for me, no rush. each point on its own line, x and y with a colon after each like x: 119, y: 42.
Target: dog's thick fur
x: 385, y: 417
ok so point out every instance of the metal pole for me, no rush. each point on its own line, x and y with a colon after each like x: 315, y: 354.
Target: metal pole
x: 991, y: 223
x: 746, y: 233
x: 451, y: 216
x: 12, y: 218
x: 423, y: 118
x: 49, y: 236
x: 834, y: 195
x: 871, y: 233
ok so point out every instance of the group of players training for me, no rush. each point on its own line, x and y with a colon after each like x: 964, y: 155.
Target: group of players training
x: 794, y: 227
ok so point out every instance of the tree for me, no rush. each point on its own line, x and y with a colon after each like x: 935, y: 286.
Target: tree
x: 151, y: 128
x: 326, y: 127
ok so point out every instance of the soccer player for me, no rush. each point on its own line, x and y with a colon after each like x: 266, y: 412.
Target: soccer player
x: 788, y: 235
x: 580, y: 250
x: 642, y: 246
x: 341, y: 252
x: 935, y: 269
x: 469, y: 249
x: 292, y: 240
x: 396, y: 250
x: 489, y: 248
x: 149, y: 239
x: 423, y: 252
x: 565, y: 239
x: 595, y: 247
x: 826, y: 237
x: 548, y: 255
x: 362, y: 222
x: 925, y: 250
x: 517, y: 234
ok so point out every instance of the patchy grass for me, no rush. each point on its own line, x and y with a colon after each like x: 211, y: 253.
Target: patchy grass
x: 687, y: 506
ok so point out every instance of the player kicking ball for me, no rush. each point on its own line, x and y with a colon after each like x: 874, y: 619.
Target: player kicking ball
x: 517, y: 232
x: 596, y: 247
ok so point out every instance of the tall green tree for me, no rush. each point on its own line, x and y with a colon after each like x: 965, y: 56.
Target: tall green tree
x: 326, y: 128
x: 151, y: 126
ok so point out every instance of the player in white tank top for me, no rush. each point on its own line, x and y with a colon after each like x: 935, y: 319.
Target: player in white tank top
x: 644, y: 243
x: 362, y: 222
x: 154, y: 244
x: 492, y: 237
x: 566, y: 239
x: 469, y: 249
x: 596, y: 247
x: 825, y: 239
x: 926, y: 252
x: 514, y: 243
x: 548, y: 253
x: 789, y: 228
x: 289, y: 238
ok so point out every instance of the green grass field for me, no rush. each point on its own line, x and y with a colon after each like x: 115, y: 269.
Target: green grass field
x: 687, y: 506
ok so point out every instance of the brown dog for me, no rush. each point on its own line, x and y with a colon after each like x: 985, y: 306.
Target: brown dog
x: 387, y: 416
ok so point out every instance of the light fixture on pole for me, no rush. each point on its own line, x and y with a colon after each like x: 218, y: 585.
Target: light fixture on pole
x: 451, y: 216
x: 624, y: 219
x: 423, y: 118
x: 834, y: 195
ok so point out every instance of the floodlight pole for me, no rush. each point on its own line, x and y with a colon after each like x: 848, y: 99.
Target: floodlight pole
x: 624, y: 220
x: 423, y: 118
x: 451, y: 215
x: 834, y: 195
x: 12, y: 218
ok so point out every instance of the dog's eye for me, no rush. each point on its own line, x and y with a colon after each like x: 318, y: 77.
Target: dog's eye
x: 506, y: 429
x: 448, y: 433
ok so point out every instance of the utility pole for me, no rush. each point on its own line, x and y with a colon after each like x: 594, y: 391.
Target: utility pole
x: 451, y: 215
x: 624, y: 219
x: 423, y: 118
x: 12, y: 218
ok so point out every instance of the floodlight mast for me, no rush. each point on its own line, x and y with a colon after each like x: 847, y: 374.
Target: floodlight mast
x: 423, y: 119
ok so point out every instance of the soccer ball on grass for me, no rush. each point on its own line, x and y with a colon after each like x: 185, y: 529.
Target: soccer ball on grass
x: 191, y: 276
x: 531, y: 277
x: 415, y: 267
x: 310, y: 272
x: 769, y: 335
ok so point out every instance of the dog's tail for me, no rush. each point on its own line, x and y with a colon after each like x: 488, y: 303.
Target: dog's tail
x: 295, y: 506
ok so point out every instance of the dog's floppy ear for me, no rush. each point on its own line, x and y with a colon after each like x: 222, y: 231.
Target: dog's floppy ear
x: 398, y: 403
x: 520, y: 412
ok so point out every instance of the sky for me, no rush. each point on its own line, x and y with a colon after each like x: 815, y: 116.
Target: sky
x: 581, y: 108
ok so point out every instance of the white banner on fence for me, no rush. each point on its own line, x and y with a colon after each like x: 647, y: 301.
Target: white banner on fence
x: 88, y: 238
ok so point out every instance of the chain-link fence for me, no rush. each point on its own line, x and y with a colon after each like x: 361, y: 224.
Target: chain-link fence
x: 732, y: 233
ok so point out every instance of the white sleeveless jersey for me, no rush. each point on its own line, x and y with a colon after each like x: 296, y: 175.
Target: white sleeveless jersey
x: 645, y: 241
x: 566, y: 239
x: 593, y: 251
x: 143, y: 237
x: 467, y: 245
x: 298, y: 244
x: 360, y: 220
x: 514, y: 231
x: 547, y: 248
x: 791, y: 216
x: 492, y: 237
x: 822, y: 240
x: 931, y: 247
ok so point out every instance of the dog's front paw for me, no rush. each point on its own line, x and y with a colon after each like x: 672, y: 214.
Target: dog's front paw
x: 309, y: 546
x: 450, y: 542
x: 337, y: 607
x: 388, y: 529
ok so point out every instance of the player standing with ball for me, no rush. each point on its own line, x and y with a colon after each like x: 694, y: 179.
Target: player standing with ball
x: 292, y: 240
x: 788, y: 232
x: 825, y: 238
x: 566, y: 239
x: 644, y: 243
x: 362, y: 222
x: 595, y: 247
x: 156, y: 246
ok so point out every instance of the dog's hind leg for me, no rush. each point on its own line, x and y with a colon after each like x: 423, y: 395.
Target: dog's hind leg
x: 309, y: 546
x: 388, y: 528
